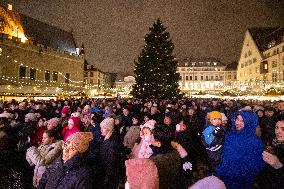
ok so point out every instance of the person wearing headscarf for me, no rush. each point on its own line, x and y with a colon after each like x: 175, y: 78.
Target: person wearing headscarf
x: 242, y: 160
x: 70, y: 170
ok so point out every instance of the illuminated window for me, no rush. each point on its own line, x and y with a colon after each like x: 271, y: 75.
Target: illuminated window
x: 274, y: 77
x: 54, y: 76
x: 32, y: 74
x: 47, y: 75
x: 91, y: 74
x: 22, y: 72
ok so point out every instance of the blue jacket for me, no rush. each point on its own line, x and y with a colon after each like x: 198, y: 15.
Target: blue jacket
x: 242, y: 154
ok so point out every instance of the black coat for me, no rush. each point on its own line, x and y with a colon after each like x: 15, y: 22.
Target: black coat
x: 74, y: 173
x: 273, y: 178
x: 109, y: 168
x: 15, y: 172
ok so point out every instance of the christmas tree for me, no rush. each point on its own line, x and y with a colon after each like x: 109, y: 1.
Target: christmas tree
x: 155, y: 71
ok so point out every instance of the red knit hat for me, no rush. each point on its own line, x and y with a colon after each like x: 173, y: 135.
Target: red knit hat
x: 65, y: 110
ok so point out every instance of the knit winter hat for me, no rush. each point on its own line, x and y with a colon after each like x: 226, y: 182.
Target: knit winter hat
x: 81, y: 140
x: 150, y: 124
x: 65, y: 110
x: 215, y: 115
x: 108, y: 123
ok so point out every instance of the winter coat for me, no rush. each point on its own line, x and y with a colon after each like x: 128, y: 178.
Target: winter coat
x: 131, y: 136
x: 42, y: 157
x: 25, y: 136
x: 273, y: 178
x: 169, y: 169
x: 74, y: 173
x: 15, y: 172
x: 242, y: 154
x: 213, y: 140
x: 109, y: 163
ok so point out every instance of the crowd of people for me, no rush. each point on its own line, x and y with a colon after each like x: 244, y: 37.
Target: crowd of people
x: 142, y: 144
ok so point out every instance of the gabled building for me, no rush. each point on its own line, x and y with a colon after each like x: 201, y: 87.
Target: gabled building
x: 201, y: 74
x: 37, y: 59
x: 261, y: 63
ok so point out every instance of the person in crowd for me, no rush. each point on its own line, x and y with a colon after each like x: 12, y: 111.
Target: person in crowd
x: 14, y: 170
x: 44, y: 155
x: 133, y: 133
x: 142, y: 147
x: 165, y: 158
x: 41, y: 127
x: 213, y: 138
x: 225, y: 124
x: 242, y: 155
x: 71, y: 170
x: 110, y: 160
x: 169, y: 122
x: 72, y: 127
x: 126, y: 121
x: 273, y: 173
x: 65, y: 113
x: 27, y: 132
x: 267, y: 131
x: 194, y: 120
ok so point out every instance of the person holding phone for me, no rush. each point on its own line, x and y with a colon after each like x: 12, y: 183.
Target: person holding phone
x: 272, y: 175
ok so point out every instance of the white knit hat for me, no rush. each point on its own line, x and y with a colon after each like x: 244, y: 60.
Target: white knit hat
x: 150, y: 124
x: 108, y: 123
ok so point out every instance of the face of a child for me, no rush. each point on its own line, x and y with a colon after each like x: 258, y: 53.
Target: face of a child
x: 182, y: 126
x: 146, y: 131
x: 216, y: 122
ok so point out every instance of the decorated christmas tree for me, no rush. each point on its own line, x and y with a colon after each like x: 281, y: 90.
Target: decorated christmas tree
x: 155, y: 71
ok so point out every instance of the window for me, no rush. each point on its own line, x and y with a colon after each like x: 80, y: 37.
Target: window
x: 54, y: 76
x: 201, y: 77
x: 242, y: 65
x: 216, y: 77
x: 246, y: 63
x: 249, y: 53
x: 67, y: 77
x: 186, y: 77
x: 85, y: 74
x: 32, y: 74
x: 207, y: 78
x: 212, y: 77
x: 235, y: 76
x: 274, y: 77
x: 274, y: 52
x: 195, y: 77
x: 47, y: 75
x: 274, y: 64
x: 91, y: 74
x: 182, y: 69
x: 190, y: 78
x: 229, y: 76
x: 221, y: 77
x: 22, y: 72
x: 91, y: 81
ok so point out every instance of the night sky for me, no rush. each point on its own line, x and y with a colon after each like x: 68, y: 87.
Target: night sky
x: 113, y: 30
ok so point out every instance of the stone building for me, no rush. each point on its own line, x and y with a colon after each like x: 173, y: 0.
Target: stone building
x: 261, y: 64
x: 201, y: 74
x: 37, y: 59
